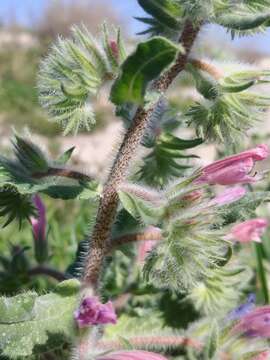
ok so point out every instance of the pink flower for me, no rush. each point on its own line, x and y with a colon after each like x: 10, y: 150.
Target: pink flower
x: 132, y: 355
x: 39, y: 222
x: 255, y: 324
x: 263, y: 356
x: 144, y: 248
x: 229, y: 196
x: 153, y: 235
x: 250, y: 230
x: 234, y: 169
x: 93, y: 312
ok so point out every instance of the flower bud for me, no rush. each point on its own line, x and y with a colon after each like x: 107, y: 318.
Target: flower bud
x: 39, y: 231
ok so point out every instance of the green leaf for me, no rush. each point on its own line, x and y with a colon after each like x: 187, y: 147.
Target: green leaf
x: 167, y: 12
x: 15, y: 206
x: 29, y: 322
x: 212, y: 343
x: 243, y: 21
x: 29, y: 155
x: 141, y: 67
x: 65, y: 157
x: 149, y: 212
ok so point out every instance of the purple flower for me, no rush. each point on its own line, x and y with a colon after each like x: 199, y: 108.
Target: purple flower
x: 39, y: 222
x: 92, y: 312
x: 243, y: 309
x: 255, y: 323
x: 132, y: 355
x: 234, y: 169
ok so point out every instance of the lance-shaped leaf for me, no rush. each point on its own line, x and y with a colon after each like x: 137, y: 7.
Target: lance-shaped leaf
x: 162, y: 163
x: 212, y: 343
x: 29, y: 322
x: 144, y: 65
x: 244, y: 21
x: 15, y: 206
x: 143, y: 204
x: 165, y: 17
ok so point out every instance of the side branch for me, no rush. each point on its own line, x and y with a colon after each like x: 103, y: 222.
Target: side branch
x: 127, y: 151
x: 172, y: 341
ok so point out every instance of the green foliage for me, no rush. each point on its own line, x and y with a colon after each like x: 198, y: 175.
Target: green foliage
x: 212, y: 344
x: 14, y: 269
x: 161, y: 164
x: 14, y: 205
x: 228, y: 108
x: 144, y: 65
x: 28, y: 321
x: 31, y: 171
x: 166, y: 17
x: 71, y: 76
x: 185, y: 257
x: 221, y: 290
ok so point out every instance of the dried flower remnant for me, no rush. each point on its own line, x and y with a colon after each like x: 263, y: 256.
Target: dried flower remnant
x: 234, y: 169
x: 92, y: 312
x: 249, y: 230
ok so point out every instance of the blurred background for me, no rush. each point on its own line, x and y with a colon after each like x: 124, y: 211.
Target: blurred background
x: 27, y: 30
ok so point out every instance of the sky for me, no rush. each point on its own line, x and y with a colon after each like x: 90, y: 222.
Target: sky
x: 26, y: 9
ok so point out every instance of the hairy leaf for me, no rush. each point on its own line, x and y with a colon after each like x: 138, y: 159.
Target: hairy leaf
x: 144, y: 65
x: 28, y: 321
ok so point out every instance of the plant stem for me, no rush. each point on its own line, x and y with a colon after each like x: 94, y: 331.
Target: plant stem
x: 43, y: 270
x: 149, y: 234
x: 155, y: 341
x: 261, y: 271
x: 109, y: 199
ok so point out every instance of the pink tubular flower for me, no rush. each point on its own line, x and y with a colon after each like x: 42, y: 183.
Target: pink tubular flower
x: 132, y: 355
x: 234, y: 169
x: 250, y: 230
x: 39, y: 222
x: 229, y: 196
x: 265, y: 355
x: 255, y: 324
x: 93, y: 312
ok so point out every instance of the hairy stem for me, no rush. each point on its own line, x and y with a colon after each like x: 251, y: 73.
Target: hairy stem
x: 126, y: 153
x: 152, y: 233
x: 43, y: 270
x: 207, y: 67
x: 173, y: 341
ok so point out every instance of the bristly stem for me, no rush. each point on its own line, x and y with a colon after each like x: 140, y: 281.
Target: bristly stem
x: 261, y: 272
x: 109, y: 199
